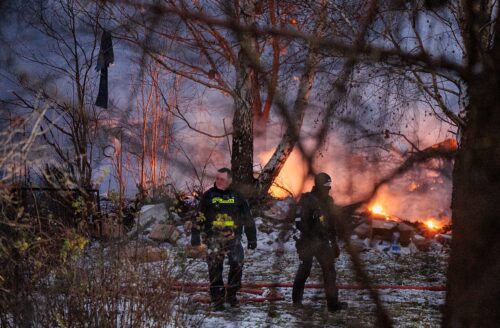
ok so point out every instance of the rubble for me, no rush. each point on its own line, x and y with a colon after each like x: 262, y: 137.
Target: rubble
x: 162, y: 232
x: 364, y: 230
x: 151, y: 222
x: 421, y: 242
x: 156, y: 212
x: 394, y: 237
x: 406, y: 233
x: 444, y: 238
x: 264, y: 265
x: 383, y: 229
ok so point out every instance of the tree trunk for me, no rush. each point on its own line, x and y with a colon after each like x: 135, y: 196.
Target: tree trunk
x: 473, y: 298
x: 242, y: 148
x: 291, y: 136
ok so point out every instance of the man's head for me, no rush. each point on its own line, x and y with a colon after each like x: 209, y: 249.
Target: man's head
x: 323, y: 182
x: 223, y: 178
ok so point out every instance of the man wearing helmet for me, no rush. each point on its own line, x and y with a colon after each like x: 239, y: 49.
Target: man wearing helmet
x: 318, y: 239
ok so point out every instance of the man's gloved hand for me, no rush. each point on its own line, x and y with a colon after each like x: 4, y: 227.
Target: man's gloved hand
x: 252, y: 244
x: 336, y: 250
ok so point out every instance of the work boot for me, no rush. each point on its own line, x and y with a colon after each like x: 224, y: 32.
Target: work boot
x: 218, y: 307
x: 233, y: 302
x: 337, y: 306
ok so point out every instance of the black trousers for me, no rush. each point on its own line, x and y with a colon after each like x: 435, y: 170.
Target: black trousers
x: 215, y: 260
x: 325, y: 256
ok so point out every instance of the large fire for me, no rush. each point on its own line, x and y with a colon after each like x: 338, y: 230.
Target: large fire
x: 379, y: 211
x: 419, y: 196
x: 432, y: 224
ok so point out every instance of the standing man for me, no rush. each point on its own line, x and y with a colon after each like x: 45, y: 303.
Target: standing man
x: 223, y: 216
x: 317, y: 239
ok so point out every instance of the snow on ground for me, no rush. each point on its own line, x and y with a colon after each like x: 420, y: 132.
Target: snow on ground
x: 407, y: 308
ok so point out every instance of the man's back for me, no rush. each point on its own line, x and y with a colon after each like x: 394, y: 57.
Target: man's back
x: 316, y: 217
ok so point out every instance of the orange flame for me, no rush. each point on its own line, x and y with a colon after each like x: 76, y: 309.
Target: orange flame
x: 432, y: 224
x: 377, y: 209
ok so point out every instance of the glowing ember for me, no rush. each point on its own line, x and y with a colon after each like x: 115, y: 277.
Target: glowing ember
x: 413, y: 186
x: 431, y: 225
x: 378, y: 210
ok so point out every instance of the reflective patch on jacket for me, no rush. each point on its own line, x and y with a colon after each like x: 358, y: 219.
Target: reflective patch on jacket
x: 223, y: 223
x: 220, y: 200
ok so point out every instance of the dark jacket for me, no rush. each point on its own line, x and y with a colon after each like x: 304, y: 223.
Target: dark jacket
x: 317, y: 221
x: 213, y: 205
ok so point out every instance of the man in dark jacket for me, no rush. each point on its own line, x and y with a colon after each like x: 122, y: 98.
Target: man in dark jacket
x: 223, y: 216
x: 315, y: 221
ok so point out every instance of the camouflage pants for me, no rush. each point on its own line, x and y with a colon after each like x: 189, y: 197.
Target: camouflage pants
x: 217, y: 251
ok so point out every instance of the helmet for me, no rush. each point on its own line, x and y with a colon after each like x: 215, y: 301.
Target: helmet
x: 322, y: 180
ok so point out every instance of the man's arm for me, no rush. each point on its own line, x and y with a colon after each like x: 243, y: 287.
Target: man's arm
x: 333, y: 213
x: 199, y: 221
x: 248, y: 224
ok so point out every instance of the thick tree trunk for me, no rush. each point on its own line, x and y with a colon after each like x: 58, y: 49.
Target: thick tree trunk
x: 473, y: 298
x: 242, y: 148
x: 246, y: 98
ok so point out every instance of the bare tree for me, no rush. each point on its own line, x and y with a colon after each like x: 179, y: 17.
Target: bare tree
x: 154, y: 111
x: 71, y: 122
x: 475, y: 176
x: 244, y: 65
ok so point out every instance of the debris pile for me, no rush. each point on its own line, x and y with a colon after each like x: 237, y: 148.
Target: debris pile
x: 156, y: 223
x: 396, y: 237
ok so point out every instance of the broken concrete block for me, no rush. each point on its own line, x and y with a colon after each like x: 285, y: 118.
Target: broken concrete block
x: 175, y: 217
x: 164, y: 232
x: 157, y: 211
x: 421, y: 242
x: 444, y: 239
x: 383, y: 229
x: 148, y: 216
x: 384, y: 224
x: 406, y: 233
x: 363, y: 230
